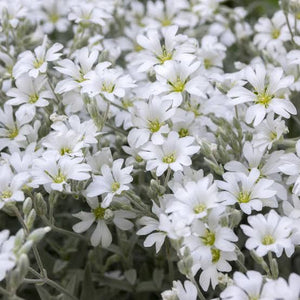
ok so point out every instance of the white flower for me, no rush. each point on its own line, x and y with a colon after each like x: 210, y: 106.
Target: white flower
x: 179, y: 291
x: 151, y: 119
x: 269, y: 233
x: 249, y: 191
x: 211, y: 54
x: 195, y: 199
x: 30, y: 93
x: 290, y: 165
x: 210, y: 236
x: 11, y: 185
x: 154, y: 52
x: 281, y: 289
x: 271, y: 33
x: 64, y: 143
x: 151, y: 227
x: 54, y: 16
x: 267, y: 94
x: 211, y: 268
x: 174, y: 78
x: 37, y: 62
x: 174, y: 153
x: 86, y: 13
x: 13, y: 130
x: 54, y: 172
x: 7, y: 257
x: 113, y: 181
x: 269, y: 131
x: 244, y: 287
x: 109, y: 83
x: 101, y: 216
x: 84, y: 61
x: 87, y: 130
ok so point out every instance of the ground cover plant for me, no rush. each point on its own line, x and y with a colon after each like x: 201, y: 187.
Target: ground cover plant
x: 149, y: 149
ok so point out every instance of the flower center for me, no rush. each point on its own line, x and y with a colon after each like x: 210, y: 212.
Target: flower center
x: 275, y: 33
x: 115, y: 186
x: 107, y: 87
x: 6, y: 194
x: 273, y: 135
x: 37, y: 63
x: 166, y: 22
x: 209, y: 238
x: 33, y: 98
x: 59, y: 178
x: 165, y: 55
x: 54, y: 18
x: 154, y: 125
x: 199, y: 208
x: 178, y: 85
x: 81, y: 77
x: 168, y: 159
x: 99, y: 212
x: 65, y: 150
x: 215, y: 255
x: 268, y: 240
x: 127, y: 103
x: 207, y: 63
x: 263, y: 99
x: 12, y: 133
x: 243, y: 197
x: 183, y: 132
x: 138, y: 48
x: 138, y: 159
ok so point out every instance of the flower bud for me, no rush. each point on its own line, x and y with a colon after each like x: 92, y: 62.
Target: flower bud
x: 19, y: 238
x: 30, y: 219
x: 27, y: 206
x: 26, y: 247
x: 40, y: 205
x: 38, y: 234
x: 22, y: 268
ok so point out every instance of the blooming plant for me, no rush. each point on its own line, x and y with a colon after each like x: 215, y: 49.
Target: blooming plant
x: 150, y: 149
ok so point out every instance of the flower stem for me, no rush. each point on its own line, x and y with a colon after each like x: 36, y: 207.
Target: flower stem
x: 50, y: 282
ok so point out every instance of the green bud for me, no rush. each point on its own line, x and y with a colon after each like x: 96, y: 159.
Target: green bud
x: 285, y: 5
x: 23, y: 265
x: 38, y: 234
x: 26, y: 247
x: 30, y: 219
x: 40, y: 205
x: 27, y: 206
x: 274, y: 268
x: 19, y: 239
x: 235, y: 218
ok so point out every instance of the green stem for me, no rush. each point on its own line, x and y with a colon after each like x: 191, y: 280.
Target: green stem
x: 289, y: 27
x: 5, y: 292
x: 34, y: 248
x: 200, y: 295
x: 62, y: 231
x: 167, y: 177
x: 50, y: 282
x: 104, y: 117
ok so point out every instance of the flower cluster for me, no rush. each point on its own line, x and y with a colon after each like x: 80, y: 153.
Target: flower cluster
x: 129, y: 125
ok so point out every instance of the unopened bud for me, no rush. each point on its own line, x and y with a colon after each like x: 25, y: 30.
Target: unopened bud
x: 27, y: 206
x: 19, y: 238
x: 30, y: 219
x: 23, y: 265
x: 38, y: 234
x: 40, y: 205
x: 26, y: 247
